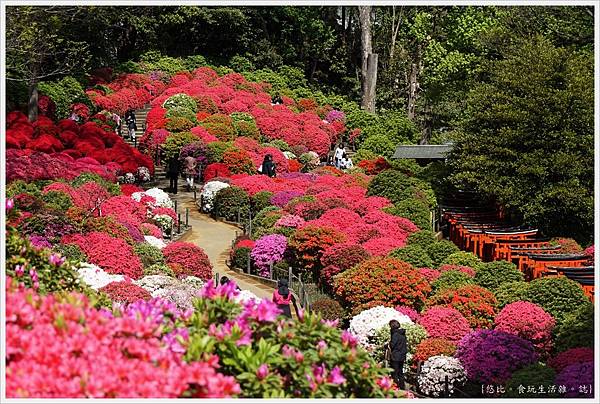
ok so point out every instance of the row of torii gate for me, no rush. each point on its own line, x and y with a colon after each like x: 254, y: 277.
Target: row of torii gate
x: 486, y: 233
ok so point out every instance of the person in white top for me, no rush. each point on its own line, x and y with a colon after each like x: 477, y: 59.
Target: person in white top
x: 339, y: 152
x: 345, y: 162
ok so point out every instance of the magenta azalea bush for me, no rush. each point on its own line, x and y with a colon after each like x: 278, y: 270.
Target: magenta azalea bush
x: 445, y: 322
x: 268, y: 250
x: 491, y: 356
x: 578, y: 380
x: 528, y: 321
x: 571, y: 357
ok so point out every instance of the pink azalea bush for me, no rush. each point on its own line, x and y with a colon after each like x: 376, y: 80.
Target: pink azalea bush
x: 445, y: 322
x: 529, y: 321
x: 268, y: 250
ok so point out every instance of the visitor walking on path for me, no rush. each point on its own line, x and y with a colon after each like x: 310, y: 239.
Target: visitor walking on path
x: 173, y: 174
x: 398, y: 350
x: 190, y: 165
x: 282, y: 297
x: 339, y: 153
x: 268, y: 166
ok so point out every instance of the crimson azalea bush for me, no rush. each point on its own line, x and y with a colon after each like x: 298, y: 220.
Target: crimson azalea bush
x: 491, y: 356
x: 344, y: 255
x: 570, y: 357
x: 189, y: 258
x: 109, y: 355
x: 309, y: 243
x: 125, y: 292
x: 381, y: 281
x: 113, y: 255
x: 477, y: 304
x: 444, y: 322
x: 432, y: 347
x: 528, y: 321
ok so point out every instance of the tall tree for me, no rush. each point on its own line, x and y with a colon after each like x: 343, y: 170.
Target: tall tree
x: 368, y: 60
x: 37, y: 49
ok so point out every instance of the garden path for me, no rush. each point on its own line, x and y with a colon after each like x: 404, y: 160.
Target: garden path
x: 215, y: 238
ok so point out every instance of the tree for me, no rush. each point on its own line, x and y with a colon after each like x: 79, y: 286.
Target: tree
x: 527, y: 137
x: 36, y: 48
x: 368, y: 60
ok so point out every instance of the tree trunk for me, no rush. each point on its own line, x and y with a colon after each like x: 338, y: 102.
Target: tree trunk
x: 370, y: 84
x: 413, y: 84
x: 32, y: 106
x: 427, y: 124
x: 368, y: 60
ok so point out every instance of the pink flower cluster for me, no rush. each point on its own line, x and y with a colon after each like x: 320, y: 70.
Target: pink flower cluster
x: 290, y: 221
x: 528, y: 321
x: 445, y: 322
x: 268, y: 250
x: 59, y: 348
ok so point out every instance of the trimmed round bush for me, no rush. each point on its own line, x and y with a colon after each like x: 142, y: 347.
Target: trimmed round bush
x: 381, y: 281
x: 159, y: 269
x: 492, y: 275
x: 149, y: 254
x: 70, y: 251
x: 532, y: 375
x: 445, y: 322
x: 189, y: 259
x: 329, y: 309
x: 240, y: 256
x: 491, y: 356
x: 570, y: 357
x: 180, y: 100
x: 559, y: 296
x: 573, y: 376
x: 422, y: 238
x: 231, y: 201
x: 528, y: 321
x: 309, y: 243
x: 432, y: 347
x: 344, y: 255
x: 463, y: 258
x: 265, y: 220
x: 511, y: 292
x: 414, y: 255
x: 260, y: 200
x: 451, y: 280
x: 576, y: 330
x: 125, y: 292
x: 477, y: 304
x: 416, y: 210
x: 440, y: 250
x: 440, y: 375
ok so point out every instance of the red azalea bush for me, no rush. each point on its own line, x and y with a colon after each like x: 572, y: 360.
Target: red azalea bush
x: 430, y: 274
x: 383, y: 245
x: 60, y: 346
x: 344, y: 255
x: 432, y: 347
x: 381, y: 281
x: 410, y: 312
x: 529, y: 321
x: 238, y: 162
x: 570, y: 357
x: 191, y: 259
x: 374, y: 167
x: 150, y: 229
x: 461, y: 268
x: 476, y: 303
x: 113, y: 255
x: 125, y: 292
x: 215, y: 170
x: 309, y: 243
x: 124, y: 207
x: 445, y: 322
x: 128, y: 189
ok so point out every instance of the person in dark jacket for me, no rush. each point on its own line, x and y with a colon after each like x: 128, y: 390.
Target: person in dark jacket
x: 398, y: 349
x: 268, y: 166
x: 173, y: 174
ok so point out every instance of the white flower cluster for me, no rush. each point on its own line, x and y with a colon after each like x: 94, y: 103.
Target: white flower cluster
x: 155, y: 242
x: 162, y: 198
x: 143, y: 174
x: 181, y: 292
x: 95, y: 276
x: 289, y: 155
x: 432, y: 378
x: 164, y: 221
x: 366, y: 323
x: 208, y: 192
x: 246, y: 295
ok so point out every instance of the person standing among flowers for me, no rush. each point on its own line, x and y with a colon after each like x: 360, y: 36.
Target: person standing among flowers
x: 397, y: 352
x: 173, y: 174
x: 282, y: 297
x: 190, y: 164
x: 339, y: 152
x: 268, y: 166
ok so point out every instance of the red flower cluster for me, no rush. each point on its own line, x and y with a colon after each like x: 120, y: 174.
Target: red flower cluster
x: 476, y: 303
x: 571, y: 357
x: 125, y: 292
x: 189, y: 259
x: 309, y: 243
x: 529, y: 321
x: 374, y: 167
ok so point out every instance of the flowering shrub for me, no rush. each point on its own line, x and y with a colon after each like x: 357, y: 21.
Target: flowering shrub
x: 529, y: 321
x: 570, y: 357
x: 232, y: 203
x: 440, y: 374
x: 381, y: 281
x: 430, y: 274
x: 443, y: 322
x: 477, y: 304
x: 282, y: 198
x: 590, y: 252
x: 410, y: 312
x: 113, y: 255
x: 492, y: 275
x: 238, y: 162
x: 268, y: 250
x: 576, y: 375
x: 149, y: 229
x: 95, y: 276
x: 119, y: 355
x: 432, y: 347
x: 567, y: 245
x: 292, y: 221
x: 327, y: 308
x: 309, y: 243
x: 558, y: 296
x: 490, y: 356
x: 439, y: 250
x: 365, y: 324
x: 344, y: 255
x: 208, y: 192
x: 191, y: 260
x: 125, y: 292
x: 215, y: 170
x: 461, y: 268
x: 159, y: 198
x: 375, y: 166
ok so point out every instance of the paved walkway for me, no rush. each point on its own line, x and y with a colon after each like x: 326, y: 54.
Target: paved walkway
x: 215, y: 239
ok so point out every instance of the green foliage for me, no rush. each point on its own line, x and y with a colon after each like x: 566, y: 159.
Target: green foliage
x: 179, y: 124
x: 154, y: 60
x: 380, y: 145
x: 22, y: 187
x: 149, y: 254
x: 364, y: 154
x: 240, y: 64
x: 57, y: 200
x: 440, y: 250
x: 463, y: 258
x: 577, y: 329
x: 532, y: 375
x: 176, y: 141
x: 239, y: 258
x: 231, y: 201
x: 492, y: 275
x: 245, y: 125
x: 279, y: 144
x: 328, y: 309
x: 414, y: 210
x: 216, y: 150
x: 112, y: 188
x: 559, y: 296
x: 193, y: 62
x: 260, y: 200
x: 450, y: 280
x: 180, y: 100
x: 181, y: 112
x: 414, y: 255
x: 397, y: 186
x: 64, y: 93
x: 511, y: 292
x: 415, y: 334
x: 422, y: 238
x: 71, y: 252
x: 265, y: 221
x: 158, y: 269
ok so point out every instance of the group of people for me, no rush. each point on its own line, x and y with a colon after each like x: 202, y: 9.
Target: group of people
x: 341, y: 159
x: 189, y: 169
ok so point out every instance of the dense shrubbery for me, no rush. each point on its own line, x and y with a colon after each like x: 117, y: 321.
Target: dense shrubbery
x: 558, y: 296
x: 188, y: 259
x: 232, y: 203
x: 477, y: 304
x: 533, y: 375
x: 440, y: 250
x: 576, y: 329
x: 329, y: 309
x: 492, y: 275
x: 414, y: 255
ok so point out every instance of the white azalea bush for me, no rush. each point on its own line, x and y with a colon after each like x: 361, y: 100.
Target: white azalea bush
x: 367, y: 323
x: 433, y: 374
x: 179, y: 291
x: 208, y: 192
x: 165, y: 222
x: 95, y: 276
x: 161, y: 197
x: 289, y: 155
x: 143, y: 174
x: 155, y: 242
x: 246, y: 295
